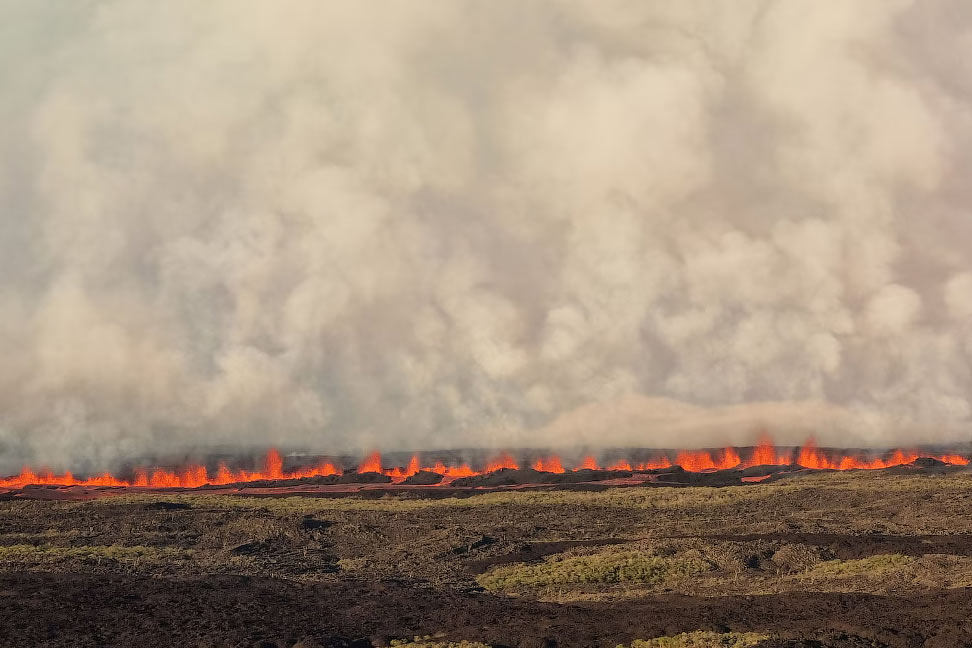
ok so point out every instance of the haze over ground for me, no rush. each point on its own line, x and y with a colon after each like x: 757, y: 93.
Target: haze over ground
x: 339, y: 226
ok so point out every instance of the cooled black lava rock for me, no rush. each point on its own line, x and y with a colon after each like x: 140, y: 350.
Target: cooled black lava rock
x: 353, y: 477
x: 667, y: 471
x: 726, y: 477
x: 251, y: 548
x: 310, y: 523
x: 925, y: 466
x: 682, y: 476
x: 502, y: 477
x: 584, y: 475
x: 276, y: 483
x: 511, y: 477
x: 482, y: 541
x: 167, y: 506
x: 762, y: 471
x: 423, y: 478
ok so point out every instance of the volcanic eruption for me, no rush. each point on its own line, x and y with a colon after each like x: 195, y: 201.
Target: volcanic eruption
x: 765, y: 453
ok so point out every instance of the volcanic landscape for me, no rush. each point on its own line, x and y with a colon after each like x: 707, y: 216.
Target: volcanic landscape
x: 485, y: 324
x: 754, y: 546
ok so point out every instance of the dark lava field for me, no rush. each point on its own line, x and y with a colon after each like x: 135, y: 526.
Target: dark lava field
x: 802, y: 558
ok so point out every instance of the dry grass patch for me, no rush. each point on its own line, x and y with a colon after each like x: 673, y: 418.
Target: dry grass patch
x: 794, y: 558
x: 429, y: 641
x: 879, y: 565
x: 617, y: 567
x: 702, y: 640
x: 24, y: 555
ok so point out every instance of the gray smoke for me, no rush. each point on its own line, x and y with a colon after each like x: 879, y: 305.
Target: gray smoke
x: 340, y: 225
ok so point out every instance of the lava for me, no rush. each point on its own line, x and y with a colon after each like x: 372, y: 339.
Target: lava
x: 655, y: 464
x: 371, y: 463
x: 550, y: 464
x: 589, y: 463
x: 765, y: 453
x: 695, y: 461
x: 504, y: 460
x: 730, y: 458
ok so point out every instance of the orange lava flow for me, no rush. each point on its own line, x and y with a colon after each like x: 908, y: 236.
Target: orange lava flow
x: 765, y: 453
x: 550, y: 464
x: 621, y: 465
x: 453, y: 472
x: 730, y: 458
x: 695, y: 461
x: 504, y: 460
x: 589, y: 463
x: 191, y: 476
x: 655, y: 464
x: 371, y: 463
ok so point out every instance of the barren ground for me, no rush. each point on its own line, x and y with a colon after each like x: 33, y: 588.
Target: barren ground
x: 866, y: 558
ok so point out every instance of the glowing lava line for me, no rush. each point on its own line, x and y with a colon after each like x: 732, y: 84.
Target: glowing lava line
x: 765, y: 453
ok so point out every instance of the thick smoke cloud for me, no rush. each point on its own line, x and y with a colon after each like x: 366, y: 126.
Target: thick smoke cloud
x: 341, y: 225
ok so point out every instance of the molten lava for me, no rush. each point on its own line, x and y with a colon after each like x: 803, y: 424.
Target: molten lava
x: 550, y: 464
x: 191, y: 476
x: 371, y: 463
x: 765, y: 455
x: 194, y: 475
x: 655, y: 464
x: 504, y: 460
x: 453, y: 472
x: 695, y: 461
x: 730, y: 458
x: 589, y: 463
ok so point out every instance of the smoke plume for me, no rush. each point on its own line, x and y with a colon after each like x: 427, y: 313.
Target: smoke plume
x: 343, y: 225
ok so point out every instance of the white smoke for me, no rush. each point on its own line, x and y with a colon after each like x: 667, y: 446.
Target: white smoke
x: 341, y: 225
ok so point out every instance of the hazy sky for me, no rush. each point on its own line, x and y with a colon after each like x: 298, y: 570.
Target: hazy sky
x: 338, y: 225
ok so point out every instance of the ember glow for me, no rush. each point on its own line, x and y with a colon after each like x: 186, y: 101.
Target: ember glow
x: 765, y: 453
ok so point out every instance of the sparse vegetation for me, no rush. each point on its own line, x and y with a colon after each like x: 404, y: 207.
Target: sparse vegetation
x: 23, y: 554
x: 702, y: 640
x: 577, y: 556
x: 837, y: 489
x: 617, y: 567
x: 699, y: 639
x: 871, y: 566
x: 429, y: 641
x: 795, y: 558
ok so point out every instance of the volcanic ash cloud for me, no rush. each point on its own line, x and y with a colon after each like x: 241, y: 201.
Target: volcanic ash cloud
x: 342, y: 226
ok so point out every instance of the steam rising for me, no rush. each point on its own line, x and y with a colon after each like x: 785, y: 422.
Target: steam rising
x: 344, y: 225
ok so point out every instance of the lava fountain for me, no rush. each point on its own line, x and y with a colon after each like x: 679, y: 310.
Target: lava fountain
x: 764, y: 453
